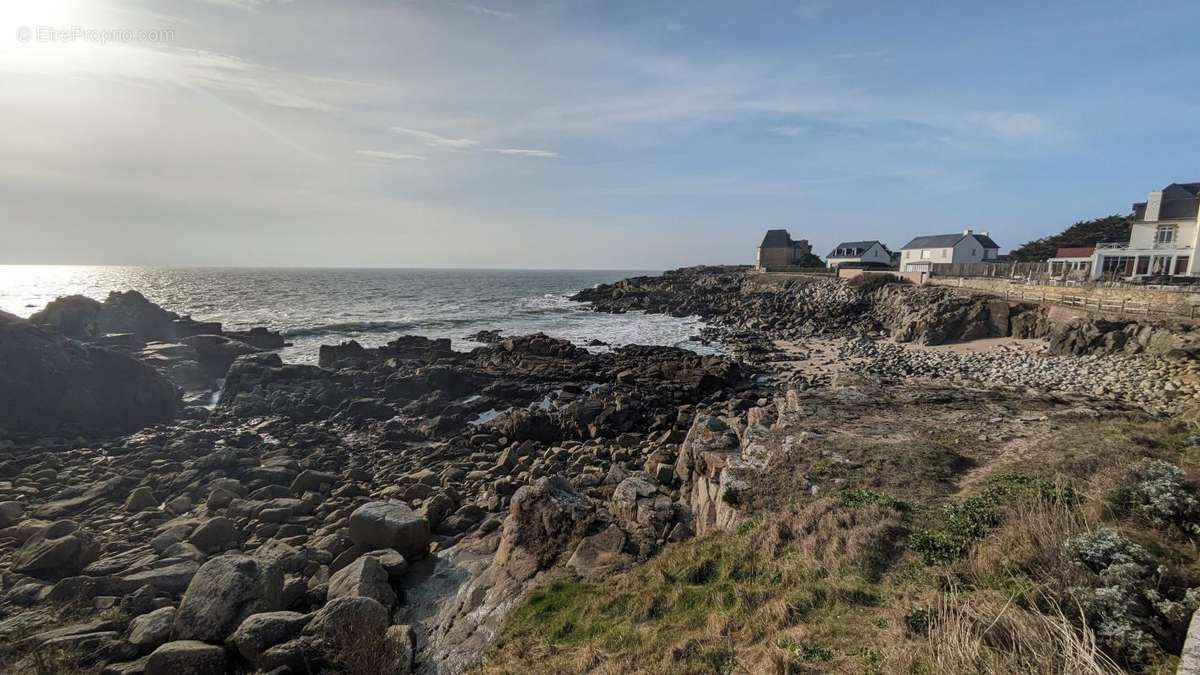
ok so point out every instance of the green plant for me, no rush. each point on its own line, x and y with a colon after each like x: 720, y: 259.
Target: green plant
x: 1159, y: 493
x: 964, y: 522
x: 916, y: 621
x: 857, y: 499
x: 1128, y: 604
x: 805, y: 651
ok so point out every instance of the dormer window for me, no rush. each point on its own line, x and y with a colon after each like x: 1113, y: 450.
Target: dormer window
x: 1164, y: 234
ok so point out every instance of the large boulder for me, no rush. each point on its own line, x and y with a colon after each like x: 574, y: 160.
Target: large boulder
x: 366, y: 577
x: 131, y: 312
x: 58, y: 550
x: 544, y: 519
x: 74, y: 316
x: 51, y: 384
x: 224, y: 591
x: 187, y: 657
x: 260, y: 632
x: 377, y: 525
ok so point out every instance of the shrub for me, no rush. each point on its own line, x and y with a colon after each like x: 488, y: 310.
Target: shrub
x: 1160, y: 494
x: 1126, y: 603
x: 857, y: 499
x: 869, y: 283
x: 964, y: 522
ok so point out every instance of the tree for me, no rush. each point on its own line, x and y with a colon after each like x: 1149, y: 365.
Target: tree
x: 1083, y: 233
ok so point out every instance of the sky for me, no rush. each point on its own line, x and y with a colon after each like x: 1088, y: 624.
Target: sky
x: 574, y: 133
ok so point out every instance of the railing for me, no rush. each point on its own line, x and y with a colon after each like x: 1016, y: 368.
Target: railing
x: 1099, y: 304
x: 1127, y: 246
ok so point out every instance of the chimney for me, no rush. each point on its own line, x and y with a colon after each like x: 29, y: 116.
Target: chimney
x: 967, y: 233
x: 1153, y: 204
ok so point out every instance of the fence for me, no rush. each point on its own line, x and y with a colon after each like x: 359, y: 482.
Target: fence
x: 1100, y: 304
x: 795, y: 269
x: 1025, y: 270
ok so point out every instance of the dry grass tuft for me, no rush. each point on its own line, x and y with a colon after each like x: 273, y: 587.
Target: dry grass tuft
x: 984, y: 632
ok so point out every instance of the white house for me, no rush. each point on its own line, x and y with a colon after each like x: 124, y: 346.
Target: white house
x: 1163, y: 240
x: 863, y: 252
x: 920, y: 254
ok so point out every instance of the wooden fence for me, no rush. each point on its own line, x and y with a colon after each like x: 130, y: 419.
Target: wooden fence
x: 1086, y: 302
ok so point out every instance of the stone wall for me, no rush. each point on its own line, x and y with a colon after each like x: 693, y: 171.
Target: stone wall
x: 1120, y: 301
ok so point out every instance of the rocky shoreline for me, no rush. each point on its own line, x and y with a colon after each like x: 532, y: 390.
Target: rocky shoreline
x: 384, y: 510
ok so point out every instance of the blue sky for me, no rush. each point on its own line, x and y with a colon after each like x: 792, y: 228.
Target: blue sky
x: 576, y: 133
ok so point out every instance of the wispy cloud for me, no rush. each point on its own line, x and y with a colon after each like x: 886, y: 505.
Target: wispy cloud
x: 246, y: 4
x: 436, y: 140
x: 389, y: 156
x: 851, y: 56
x: 1013, y: 126
x: 480, y: 9
x: 523, y: 152
x: 790, y: 130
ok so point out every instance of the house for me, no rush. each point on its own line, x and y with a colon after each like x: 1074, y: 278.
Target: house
x: 1163, y: 240
x: 1072, y: 262
x: 866, y: 253
x: 778, y: 250
x: 920, y: 254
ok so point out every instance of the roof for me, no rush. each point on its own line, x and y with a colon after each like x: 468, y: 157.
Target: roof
x: 860, y: 246
x: 1180, y: 201
x: 1075, y: 252
x: 948, y: 241
x: 776, y: 239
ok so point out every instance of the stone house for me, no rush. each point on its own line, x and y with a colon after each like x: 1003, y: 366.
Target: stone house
x: 922, y: 253
x: 779, y: 250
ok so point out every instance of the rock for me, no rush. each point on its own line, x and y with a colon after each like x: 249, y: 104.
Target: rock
x: 543, y: 518
x: 215, y: 535
x: 600, y: 555
x: 58, y: 550
x: 400, y: 645
x: 391, y: 525
x: 259, y: 632
x: 50, y: 384
x: 11, y: 513
x: 187, y: 657
x: 148, y: 631
x: 140, y: 499
x: 363, y: 578
x: 74, y: 316
x: 311, y: 481
x: 224, y: 591
x: 344, y: 619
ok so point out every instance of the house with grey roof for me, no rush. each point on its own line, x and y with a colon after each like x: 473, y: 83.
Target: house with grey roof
x: 968, y: 246
x: 1162, y: 241
x: 779, y: 251
x: 866, y: 253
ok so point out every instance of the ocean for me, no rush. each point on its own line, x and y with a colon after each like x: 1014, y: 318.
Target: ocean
x: 312, y: 307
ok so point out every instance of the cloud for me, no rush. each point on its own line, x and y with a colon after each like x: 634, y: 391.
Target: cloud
x: 488, y: 11
x: 1013, y: 126
x: 246, y: 4
x: 790, y: 130
x: 380, y: 154
x: 437, y: 141
x: 523, y: 152
x: 851, y: 56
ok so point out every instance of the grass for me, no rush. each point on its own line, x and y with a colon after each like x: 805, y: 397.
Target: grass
x: 892, y: 574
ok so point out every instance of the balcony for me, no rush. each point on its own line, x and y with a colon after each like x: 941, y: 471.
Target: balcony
x: 1156, y: 246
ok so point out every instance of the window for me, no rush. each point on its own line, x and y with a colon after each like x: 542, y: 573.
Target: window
x: 1181, y: 265
x: 1164, y: 234
x: 926, y: 254
x: 945, y: 253
x: 1143, y: 265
